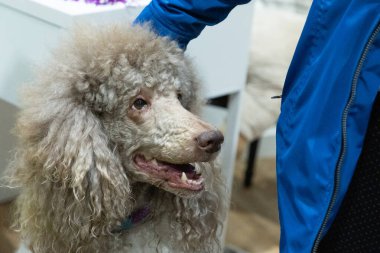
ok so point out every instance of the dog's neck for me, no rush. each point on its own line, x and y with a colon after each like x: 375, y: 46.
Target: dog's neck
x: 145, y: 196
x: 137, y: 216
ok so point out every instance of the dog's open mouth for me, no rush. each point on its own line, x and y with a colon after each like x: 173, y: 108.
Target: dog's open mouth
x: 182, y: 176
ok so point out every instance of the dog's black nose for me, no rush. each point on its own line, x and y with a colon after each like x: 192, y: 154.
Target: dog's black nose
x: 210, y: 141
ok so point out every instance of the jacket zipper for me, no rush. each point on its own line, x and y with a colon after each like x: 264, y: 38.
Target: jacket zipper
x: 344, y: 137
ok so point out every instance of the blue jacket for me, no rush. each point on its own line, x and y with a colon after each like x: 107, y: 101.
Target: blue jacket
x: 326, y: 102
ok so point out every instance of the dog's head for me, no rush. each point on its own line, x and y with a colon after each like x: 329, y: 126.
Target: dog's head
x: 143, y: 89
x: 121, y: 100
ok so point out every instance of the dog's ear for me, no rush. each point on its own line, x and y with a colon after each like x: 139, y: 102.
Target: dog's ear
x: 81, y: 157
x: 71, y: 175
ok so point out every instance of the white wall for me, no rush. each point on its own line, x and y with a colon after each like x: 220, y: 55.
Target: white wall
x: 7, y: 142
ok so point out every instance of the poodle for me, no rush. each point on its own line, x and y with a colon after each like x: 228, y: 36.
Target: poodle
x: 111, y: 157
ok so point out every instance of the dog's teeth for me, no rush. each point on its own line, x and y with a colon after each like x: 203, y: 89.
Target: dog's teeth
x: 154, y: 161
x: 197, y: 169
x: 195, y: 182
x: 183, y: 177
x: 148, y: 157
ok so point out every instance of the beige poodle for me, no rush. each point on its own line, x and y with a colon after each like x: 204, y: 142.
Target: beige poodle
x: 110, y: 157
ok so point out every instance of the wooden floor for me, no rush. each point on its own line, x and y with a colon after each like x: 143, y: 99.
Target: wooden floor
x: 9, y: 241
x: 253, y: 219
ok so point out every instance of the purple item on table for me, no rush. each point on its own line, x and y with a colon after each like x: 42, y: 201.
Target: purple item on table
x: 103, y: 2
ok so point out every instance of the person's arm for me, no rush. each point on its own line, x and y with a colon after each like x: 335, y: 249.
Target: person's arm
x: 183, y: 20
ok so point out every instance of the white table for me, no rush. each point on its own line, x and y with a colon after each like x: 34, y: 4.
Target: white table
x: 29, y: 28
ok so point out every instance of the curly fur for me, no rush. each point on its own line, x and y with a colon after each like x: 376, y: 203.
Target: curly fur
x: 74, y: 160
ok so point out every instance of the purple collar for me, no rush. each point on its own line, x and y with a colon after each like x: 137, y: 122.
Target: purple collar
x: 136, y: 217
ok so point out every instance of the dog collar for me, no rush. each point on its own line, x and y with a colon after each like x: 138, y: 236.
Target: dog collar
x: 136, y: 217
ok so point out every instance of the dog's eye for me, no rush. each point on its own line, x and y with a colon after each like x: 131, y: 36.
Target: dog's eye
x: 179, y: 96
x: 139, y: 103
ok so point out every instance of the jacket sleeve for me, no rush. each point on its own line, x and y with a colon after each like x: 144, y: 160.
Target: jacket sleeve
x: 183, y: 20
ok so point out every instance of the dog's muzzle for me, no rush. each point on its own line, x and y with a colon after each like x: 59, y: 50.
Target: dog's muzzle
x: 210, y: 141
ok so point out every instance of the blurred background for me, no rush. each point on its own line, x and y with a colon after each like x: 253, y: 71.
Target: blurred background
x: 242, y: 63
